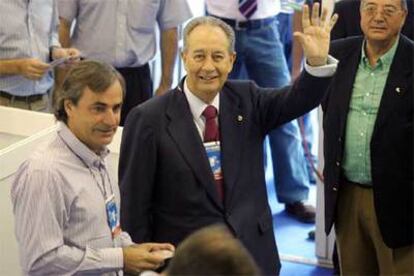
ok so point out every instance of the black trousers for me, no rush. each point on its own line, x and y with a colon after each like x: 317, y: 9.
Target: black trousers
x: 138, y: 84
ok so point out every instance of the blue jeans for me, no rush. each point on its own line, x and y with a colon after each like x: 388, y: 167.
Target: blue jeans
x: 260, y: 58
x: 285, y: 28
x: 309, y: 121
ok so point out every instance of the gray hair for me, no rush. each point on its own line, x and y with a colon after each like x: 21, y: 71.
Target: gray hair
x: 212, y: 21
x: 403, y: 4
x: 95, y: 75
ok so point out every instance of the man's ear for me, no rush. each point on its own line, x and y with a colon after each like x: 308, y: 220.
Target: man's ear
x: 233, y: 57
x: 184, y: 58
x: 68, y: 105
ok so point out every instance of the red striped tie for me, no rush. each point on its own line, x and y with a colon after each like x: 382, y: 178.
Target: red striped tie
x: 247, y: 7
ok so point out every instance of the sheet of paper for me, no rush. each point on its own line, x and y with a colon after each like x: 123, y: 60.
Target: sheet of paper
x: 58, y: 62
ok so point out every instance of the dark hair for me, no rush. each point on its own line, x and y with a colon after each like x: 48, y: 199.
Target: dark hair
x: 213, y: 250
x: 212, y: 21
x: 97, y: 76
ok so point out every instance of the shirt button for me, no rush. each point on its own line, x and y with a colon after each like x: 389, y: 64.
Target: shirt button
x: 360, y: 154
x: 367, y: 94
x: 372, y: 74
x: 335, y: 189
x: 338, y: 163
x: 362, y: 134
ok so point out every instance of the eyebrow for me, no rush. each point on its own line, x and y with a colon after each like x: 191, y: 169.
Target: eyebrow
x: 99, y: 103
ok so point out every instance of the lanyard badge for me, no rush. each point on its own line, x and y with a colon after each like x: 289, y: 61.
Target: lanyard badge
x: 214, y: 158
x: 112, y: 216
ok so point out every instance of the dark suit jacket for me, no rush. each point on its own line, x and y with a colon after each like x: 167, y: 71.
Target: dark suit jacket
x: 391, y: 143
x: 349, y: 20
x: 166, y: 183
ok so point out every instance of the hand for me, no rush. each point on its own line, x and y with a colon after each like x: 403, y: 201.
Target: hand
x: 32, y: 68
x: 315, y: 38
x: 139, y: 257
x: 162, y: 89
x: 72, y: 53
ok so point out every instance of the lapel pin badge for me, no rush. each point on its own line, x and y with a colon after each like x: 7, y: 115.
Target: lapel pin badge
x: 239, y: 118
x: 398, y: 90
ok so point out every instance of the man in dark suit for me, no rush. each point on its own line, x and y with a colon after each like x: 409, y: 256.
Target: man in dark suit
x: 168, y: 188
x: 368, y: 145
x: 349, y: 18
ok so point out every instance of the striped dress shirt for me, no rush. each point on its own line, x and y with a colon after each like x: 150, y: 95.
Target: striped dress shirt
x: 121, y: 32
x: 59, y: 205
x: 230, y: 9
x: 28, y: 29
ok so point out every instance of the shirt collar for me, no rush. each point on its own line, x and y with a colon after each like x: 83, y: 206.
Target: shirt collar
x: 197, y: 106
x: 385, y: 59
x: 89, y: 157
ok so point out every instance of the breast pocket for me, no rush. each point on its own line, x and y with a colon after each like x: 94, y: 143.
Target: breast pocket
x: 142, y: 14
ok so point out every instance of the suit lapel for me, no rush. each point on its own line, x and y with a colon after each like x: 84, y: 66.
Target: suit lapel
x: 396, y: 85
x: 231, y: 133
x: 183, y: 131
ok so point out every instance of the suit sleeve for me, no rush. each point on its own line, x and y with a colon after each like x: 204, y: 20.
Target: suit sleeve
x: 279, y: 106
x: 137, y: 165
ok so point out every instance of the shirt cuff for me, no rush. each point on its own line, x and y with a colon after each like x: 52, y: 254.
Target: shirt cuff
x: 327, y: 70
x: 113, y: 257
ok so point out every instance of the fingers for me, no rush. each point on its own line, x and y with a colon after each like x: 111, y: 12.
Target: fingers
x: 315, y: 15
x: 332, y: 22
x: 140, y: 266
x: 72, y: 52
x: 33, y: 69
x: 39, y: 69
x: 41, y: 66
x: 154, y: 259
x: 323, y: 17
x: 316, y: 20
x: 151, y: 246
x: 162, y: 246
x: 305, y: 17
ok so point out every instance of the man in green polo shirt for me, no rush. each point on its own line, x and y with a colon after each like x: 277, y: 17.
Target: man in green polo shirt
x: 368, y: 142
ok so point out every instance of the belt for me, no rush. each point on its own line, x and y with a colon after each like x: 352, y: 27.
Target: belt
x: 248, y: 24
x: 365, y: 186
x: 26, y: 99
x: 130, y: 70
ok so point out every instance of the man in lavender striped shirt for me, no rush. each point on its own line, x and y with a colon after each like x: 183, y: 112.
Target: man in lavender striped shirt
x: 65, y: 199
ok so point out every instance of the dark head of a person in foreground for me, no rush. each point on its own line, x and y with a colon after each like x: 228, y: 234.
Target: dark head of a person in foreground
x: 212, y: 250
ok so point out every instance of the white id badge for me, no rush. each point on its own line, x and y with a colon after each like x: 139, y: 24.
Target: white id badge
x: 214, y: 158
x: 112, y: 215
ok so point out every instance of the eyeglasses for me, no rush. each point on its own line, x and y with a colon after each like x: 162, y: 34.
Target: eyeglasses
x: 388, y: 11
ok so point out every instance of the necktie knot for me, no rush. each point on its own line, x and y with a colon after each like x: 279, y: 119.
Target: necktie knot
x: 210, y: 112
x: 211, y: 131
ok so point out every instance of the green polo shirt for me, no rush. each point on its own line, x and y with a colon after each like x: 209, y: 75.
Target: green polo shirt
x: 366, y: 96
